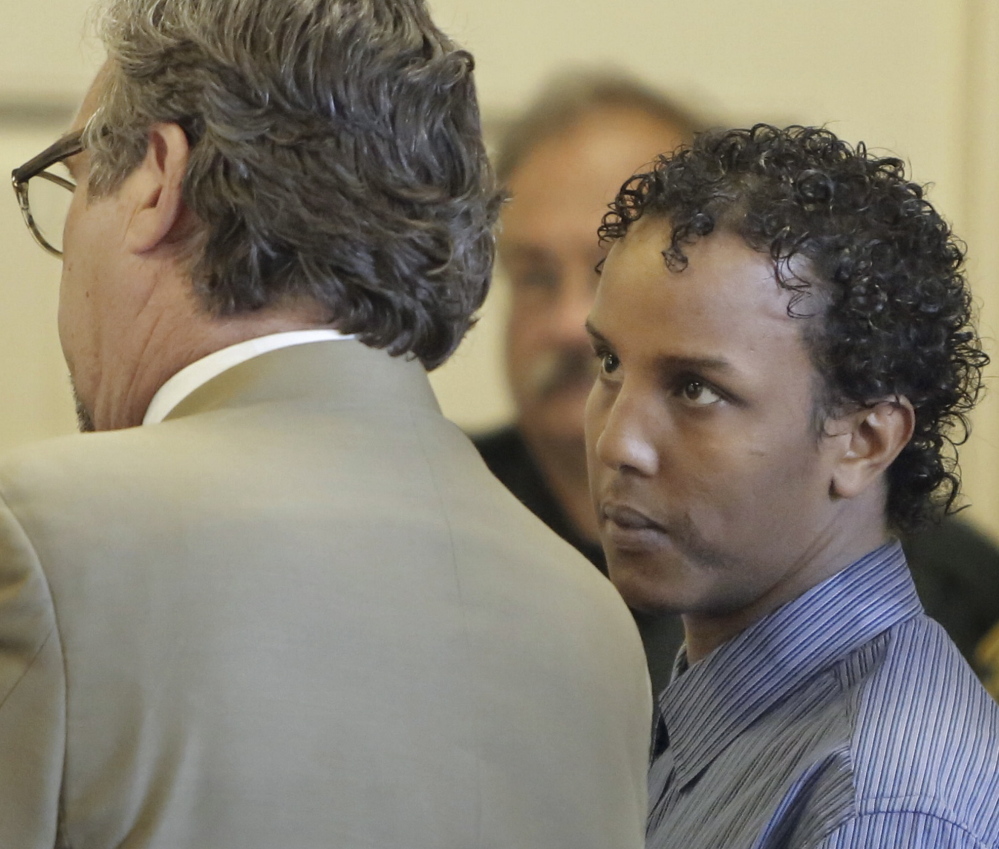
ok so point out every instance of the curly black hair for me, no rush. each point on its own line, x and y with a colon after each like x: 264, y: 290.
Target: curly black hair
x: 897, y: 308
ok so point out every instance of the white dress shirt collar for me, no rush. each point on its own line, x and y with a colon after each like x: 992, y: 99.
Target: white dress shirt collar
x: 198, y: 373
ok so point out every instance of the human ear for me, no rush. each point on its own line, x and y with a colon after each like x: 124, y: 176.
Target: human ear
x: 870, y: 439
x: 156, y: 187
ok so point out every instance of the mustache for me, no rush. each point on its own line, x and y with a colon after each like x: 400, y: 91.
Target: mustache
x: 561, y: 369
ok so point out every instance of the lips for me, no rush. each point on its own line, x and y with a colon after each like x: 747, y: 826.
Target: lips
x: 628, y: 517
x: 629, y: 529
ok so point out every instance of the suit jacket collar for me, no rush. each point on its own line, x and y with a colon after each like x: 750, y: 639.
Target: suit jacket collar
x: 338, y: 373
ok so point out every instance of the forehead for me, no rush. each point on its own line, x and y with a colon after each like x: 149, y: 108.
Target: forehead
x: 567, y: 180
x: 725, y: 302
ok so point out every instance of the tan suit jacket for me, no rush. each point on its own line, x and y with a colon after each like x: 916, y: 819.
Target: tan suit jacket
x: 300, y: 613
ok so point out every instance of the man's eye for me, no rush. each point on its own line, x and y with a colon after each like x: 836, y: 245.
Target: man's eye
x: 608, y: 362
x: 699, y: 393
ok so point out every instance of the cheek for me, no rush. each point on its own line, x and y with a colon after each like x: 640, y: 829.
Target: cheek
x: 593, y: 422
x: 514, y: 349
x: 76, y: 308
x: 716, y: 470
x: 70, y: 311
x: 525, y: 339
x: 762, y: 489
x: 70, y: 272
x: 75, y: 219
x: 596, y: 412
x: 67, y: 330
x: 528, y: 331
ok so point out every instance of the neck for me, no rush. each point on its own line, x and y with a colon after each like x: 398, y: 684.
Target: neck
x: 843, y: 543
x: 152, y: 354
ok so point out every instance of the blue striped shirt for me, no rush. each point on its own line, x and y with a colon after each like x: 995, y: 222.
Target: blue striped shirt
x: 846, y: 718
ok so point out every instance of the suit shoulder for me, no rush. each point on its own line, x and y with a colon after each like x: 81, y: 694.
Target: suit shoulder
x: 55, y: 460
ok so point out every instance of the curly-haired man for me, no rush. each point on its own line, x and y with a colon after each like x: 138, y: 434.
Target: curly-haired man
x: 277, y: 600
x: 787, y: 358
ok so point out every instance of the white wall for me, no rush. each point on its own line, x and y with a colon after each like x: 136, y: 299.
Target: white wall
x: 918, y: 77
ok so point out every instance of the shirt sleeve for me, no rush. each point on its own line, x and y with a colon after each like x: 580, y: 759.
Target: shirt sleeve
x: 901, y: 830
x: 32, y: 696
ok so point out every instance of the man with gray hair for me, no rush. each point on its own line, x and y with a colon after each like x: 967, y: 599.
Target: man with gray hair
x: 276, y: 600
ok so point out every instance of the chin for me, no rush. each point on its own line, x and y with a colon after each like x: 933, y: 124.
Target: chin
x: 640, y: 590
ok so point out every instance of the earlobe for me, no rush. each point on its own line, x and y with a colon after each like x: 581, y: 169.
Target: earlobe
x: 157, y: 185
x: 871, y: 438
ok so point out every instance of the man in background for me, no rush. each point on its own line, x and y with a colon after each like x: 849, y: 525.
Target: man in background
x: 276, y: 599
x: 562, y: 162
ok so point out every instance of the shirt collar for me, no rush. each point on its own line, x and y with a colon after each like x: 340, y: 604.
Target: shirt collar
x: 706, y: 706
x: 198, y: 373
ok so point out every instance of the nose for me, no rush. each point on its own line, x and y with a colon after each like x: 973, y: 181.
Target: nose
x: 625, y: 431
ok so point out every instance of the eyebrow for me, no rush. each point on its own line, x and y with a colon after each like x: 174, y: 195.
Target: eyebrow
x: 672, y: 361
x: 596, y: 334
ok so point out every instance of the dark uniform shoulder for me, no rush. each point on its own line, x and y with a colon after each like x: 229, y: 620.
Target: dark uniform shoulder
x: 956, y: 570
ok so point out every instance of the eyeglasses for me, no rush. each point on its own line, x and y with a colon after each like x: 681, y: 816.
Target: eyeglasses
x: 44, y: 189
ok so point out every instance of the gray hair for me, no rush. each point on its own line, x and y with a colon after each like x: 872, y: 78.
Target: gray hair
x: 336, y: 155
x: 573, y: 95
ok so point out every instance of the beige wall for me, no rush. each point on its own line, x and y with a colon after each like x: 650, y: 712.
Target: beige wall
x: 977, y: 219
x: 919, y: 77
x: 33, y: 385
